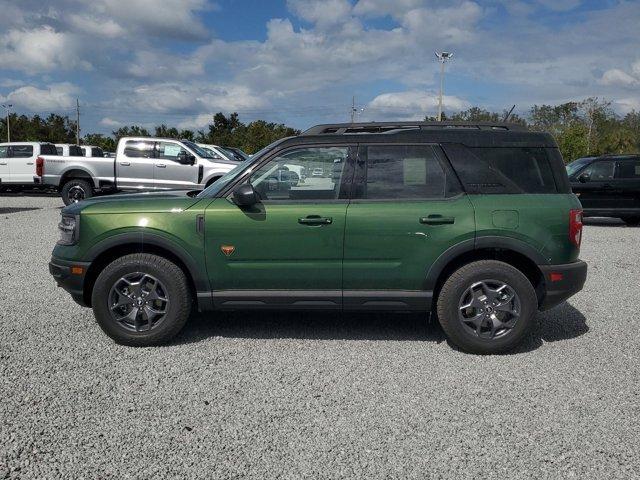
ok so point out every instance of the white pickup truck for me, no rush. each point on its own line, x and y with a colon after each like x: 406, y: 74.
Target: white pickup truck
x: 141, y: 163
x: 18, y: 163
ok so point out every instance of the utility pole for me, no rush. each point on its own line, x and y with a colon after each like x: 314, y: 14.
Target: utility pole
x: 7, y: 107
x: 77, y: 122
x: 442, y: 58
x: 354, y: 110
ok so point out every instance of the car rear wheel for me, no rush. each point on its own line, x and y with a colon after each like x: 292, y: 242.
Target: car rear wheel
x: 75, y: 191
x: 487, y: 307
x: 141, y: 300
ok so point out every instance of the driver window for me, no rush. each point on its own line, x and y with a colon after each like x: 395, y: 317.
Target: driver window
x: 600, y: 171
x: 302, y: 174
x: 169, y: 150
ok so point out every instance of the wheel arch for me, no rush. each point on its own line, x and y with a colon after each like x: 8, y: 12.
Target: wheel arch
x: 77, y: 173
x: 511, y: 251
x: 115, y: 247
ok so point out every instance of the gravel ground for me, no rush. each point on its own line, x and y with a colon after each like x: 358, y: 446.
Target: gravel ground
x: 317, y: 396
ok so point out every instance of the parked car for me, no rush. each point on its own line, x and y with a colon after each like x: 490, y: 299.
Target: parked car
x: 18, y: 163
x: 608, y: 186
x: 237, y: 153
x: 474, y: 223
x: 92, y: 151
x: 141, y: 163
x: 217, y: 152
x: 69, y: 150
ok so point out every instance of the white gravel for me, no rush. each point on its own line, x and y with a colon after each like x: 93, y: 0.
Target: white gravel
x: 316, y: 396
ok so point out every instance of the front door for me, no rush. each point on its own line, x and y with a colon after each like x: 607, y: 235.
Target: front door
x: 169, y: 173
x: 407, y: 210
x: 22, y: 163
x: 628, y: 182
x: 598, y: 191
x: 286, y: 251
x: 5, y: 173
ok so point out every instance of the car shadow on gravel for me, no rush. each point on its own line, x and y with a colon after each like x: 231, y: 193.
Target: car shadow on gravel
x: 563, y: 322
x: 606, y: 222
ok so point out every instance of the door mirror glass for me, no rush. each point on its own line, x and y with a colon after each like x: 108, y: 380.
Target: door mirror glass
x: 244, y: 195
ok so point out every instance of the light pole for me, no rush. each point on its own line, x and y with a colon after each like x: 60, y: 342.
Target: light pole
x: 442, y: 58
x: 7, y: 106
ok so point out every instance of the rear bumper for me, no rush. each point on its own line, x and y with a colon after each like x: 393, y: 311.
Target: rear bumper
x: 562, y: 282
x: 65, y: 278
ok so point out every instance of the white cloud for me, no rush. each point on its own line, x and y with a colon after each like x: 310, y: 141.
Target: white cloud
x: 411, y: 105
x: 154, y: 64
x: 58, y: 96
x: 560, y: 5
x: 92, y: 25
x: 627, y: 105
x: 109, y: 122
x: 380, y: 8
x: 39, y: 50
x: 615, y: 76
x: 323, y: 13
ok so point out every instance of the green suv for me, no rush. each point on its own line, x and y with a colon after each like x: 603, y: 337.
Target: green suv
x: 472, y: 223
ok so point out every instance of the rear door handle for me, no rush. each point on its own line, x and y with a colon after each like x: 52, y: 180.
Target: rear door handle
x: 3, y: 163
x: 315, y: 220
x: 125, y: 164
x: 437, y: 220
x: 29, y: 163
x: 161, y: 165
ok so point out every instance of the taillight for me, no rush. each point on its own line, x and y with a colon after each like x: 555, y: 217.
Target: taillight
x: 575, y: 227
x: 39, y: 166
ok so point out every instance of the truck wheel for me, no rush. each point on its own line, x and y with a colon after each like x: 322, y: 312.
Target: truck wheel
x: 141, y: 300
x: 75, y: 191
x: 633, y: 220
x: 487, y: 307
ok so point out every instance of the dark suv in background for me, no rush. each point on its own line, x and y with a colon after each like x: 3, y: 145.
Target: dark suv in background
x: 608, y: 186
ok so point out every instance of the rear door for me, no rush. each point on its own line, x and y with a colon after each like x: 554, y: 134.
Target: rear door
x: 5, y: 173
x: 22, y: 163
x: 134, y: 167
x: 406, y: 210
x: 169, y: 173
x: 596, y: 187
x: 628, y: 179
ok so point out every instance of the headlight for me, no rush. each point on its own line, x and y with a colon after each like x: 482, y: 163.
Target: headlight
x: 68, y: 227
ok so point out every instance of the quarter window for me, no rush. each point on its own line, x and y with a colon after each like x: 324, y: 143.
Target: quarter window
x: 4, y: 151
x: 303, y: 174
x: 403, y: 172
x: 138, y: 149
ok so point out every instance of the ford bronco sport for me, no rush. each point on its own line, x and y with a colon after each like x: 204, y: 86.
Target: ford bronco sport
x: 472, y: 223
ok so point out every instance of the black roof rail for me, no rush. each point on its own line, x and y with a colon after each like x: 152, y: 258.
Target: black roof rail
x: 395, y: 127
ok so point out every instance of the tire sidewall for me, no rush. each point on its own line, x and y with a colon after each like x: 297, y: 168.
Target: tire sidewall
x: 173, y: 320
x: 88, y: 191
x: 449, y: 304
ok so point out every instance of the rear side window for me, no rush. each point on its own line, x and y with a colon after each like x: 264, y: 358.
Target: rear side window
x: 23, y: 151
x: 506, y: 169
x: 138, y: 149
x: 48, y: 149
x: 75, y: 151
x: 97, y: 152
x: 59, y: 150
x: 629, y: 169
x: 600, y: 171
x: 402, y: 172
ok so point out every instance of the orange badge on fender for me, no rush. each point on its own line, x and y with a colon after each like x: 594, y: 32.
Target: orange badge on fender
x: 227, y: 249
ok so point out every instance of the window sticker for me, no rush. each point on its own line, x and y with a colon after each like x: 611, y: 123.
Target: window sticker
x: 172, y: 150
x: 415, y: 171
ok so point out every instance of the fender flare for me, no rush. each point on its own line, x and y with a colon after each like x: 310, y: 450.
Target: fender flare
x: 199, y: 277
x: 470, y: 245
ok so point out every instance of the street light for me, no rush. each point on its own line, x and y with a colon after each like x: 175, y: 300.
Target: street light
x: 442, y: 58
x: 7, y: 106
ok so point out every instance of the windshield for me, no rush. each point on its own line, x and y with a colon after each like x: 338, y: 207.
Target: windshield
x: 201, y: 152
x: 576, y: 165
x: 228, y: 177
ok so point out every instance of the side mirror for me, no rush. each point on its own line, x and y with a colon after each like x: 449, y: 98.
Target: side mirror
x: 245, y: 195
x: 584, y: 178
x: 186, y: 158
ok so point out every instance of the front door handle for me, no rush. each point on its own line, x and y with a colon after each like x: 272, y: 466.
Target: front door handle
x: 315, y: 220
x: 29, y: 163
x: 161, y: 165
x: 437, y: 220
x: 125, y: 164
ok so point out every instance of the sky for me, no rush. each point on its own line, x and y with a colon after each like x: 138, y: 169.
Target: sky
x: 300, y: 62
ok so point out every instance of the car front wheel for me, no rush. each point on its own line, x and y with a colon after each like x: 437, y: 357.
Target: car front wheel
x: 487, y: 307
x: 141, y: 300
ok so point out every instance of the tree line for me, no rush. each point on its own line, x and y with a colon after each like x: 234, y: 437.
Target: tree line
x: 586, y: 128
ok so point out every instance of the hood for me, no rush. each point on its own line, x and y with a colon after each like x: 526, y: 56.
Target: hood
x: 147, y: 202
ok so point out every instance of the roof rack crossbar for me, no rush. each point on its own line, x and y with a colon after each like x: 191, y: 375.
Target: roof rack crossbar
x: 395, y: 127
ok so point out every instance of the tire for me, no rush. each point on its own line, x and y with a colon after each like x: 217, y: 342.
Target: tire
x: 480, y: 333
x: 633, y: 220
x: 76, y: 190
x: 160, y: 279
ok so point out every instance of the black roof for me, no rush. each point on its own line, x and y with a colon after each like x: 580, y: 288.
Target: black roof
x: 472, y: 134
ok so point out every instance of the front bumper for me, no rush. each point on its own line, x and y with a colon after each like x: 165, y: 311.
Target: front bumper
x: 562, y: 281
x: 66, y: 275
